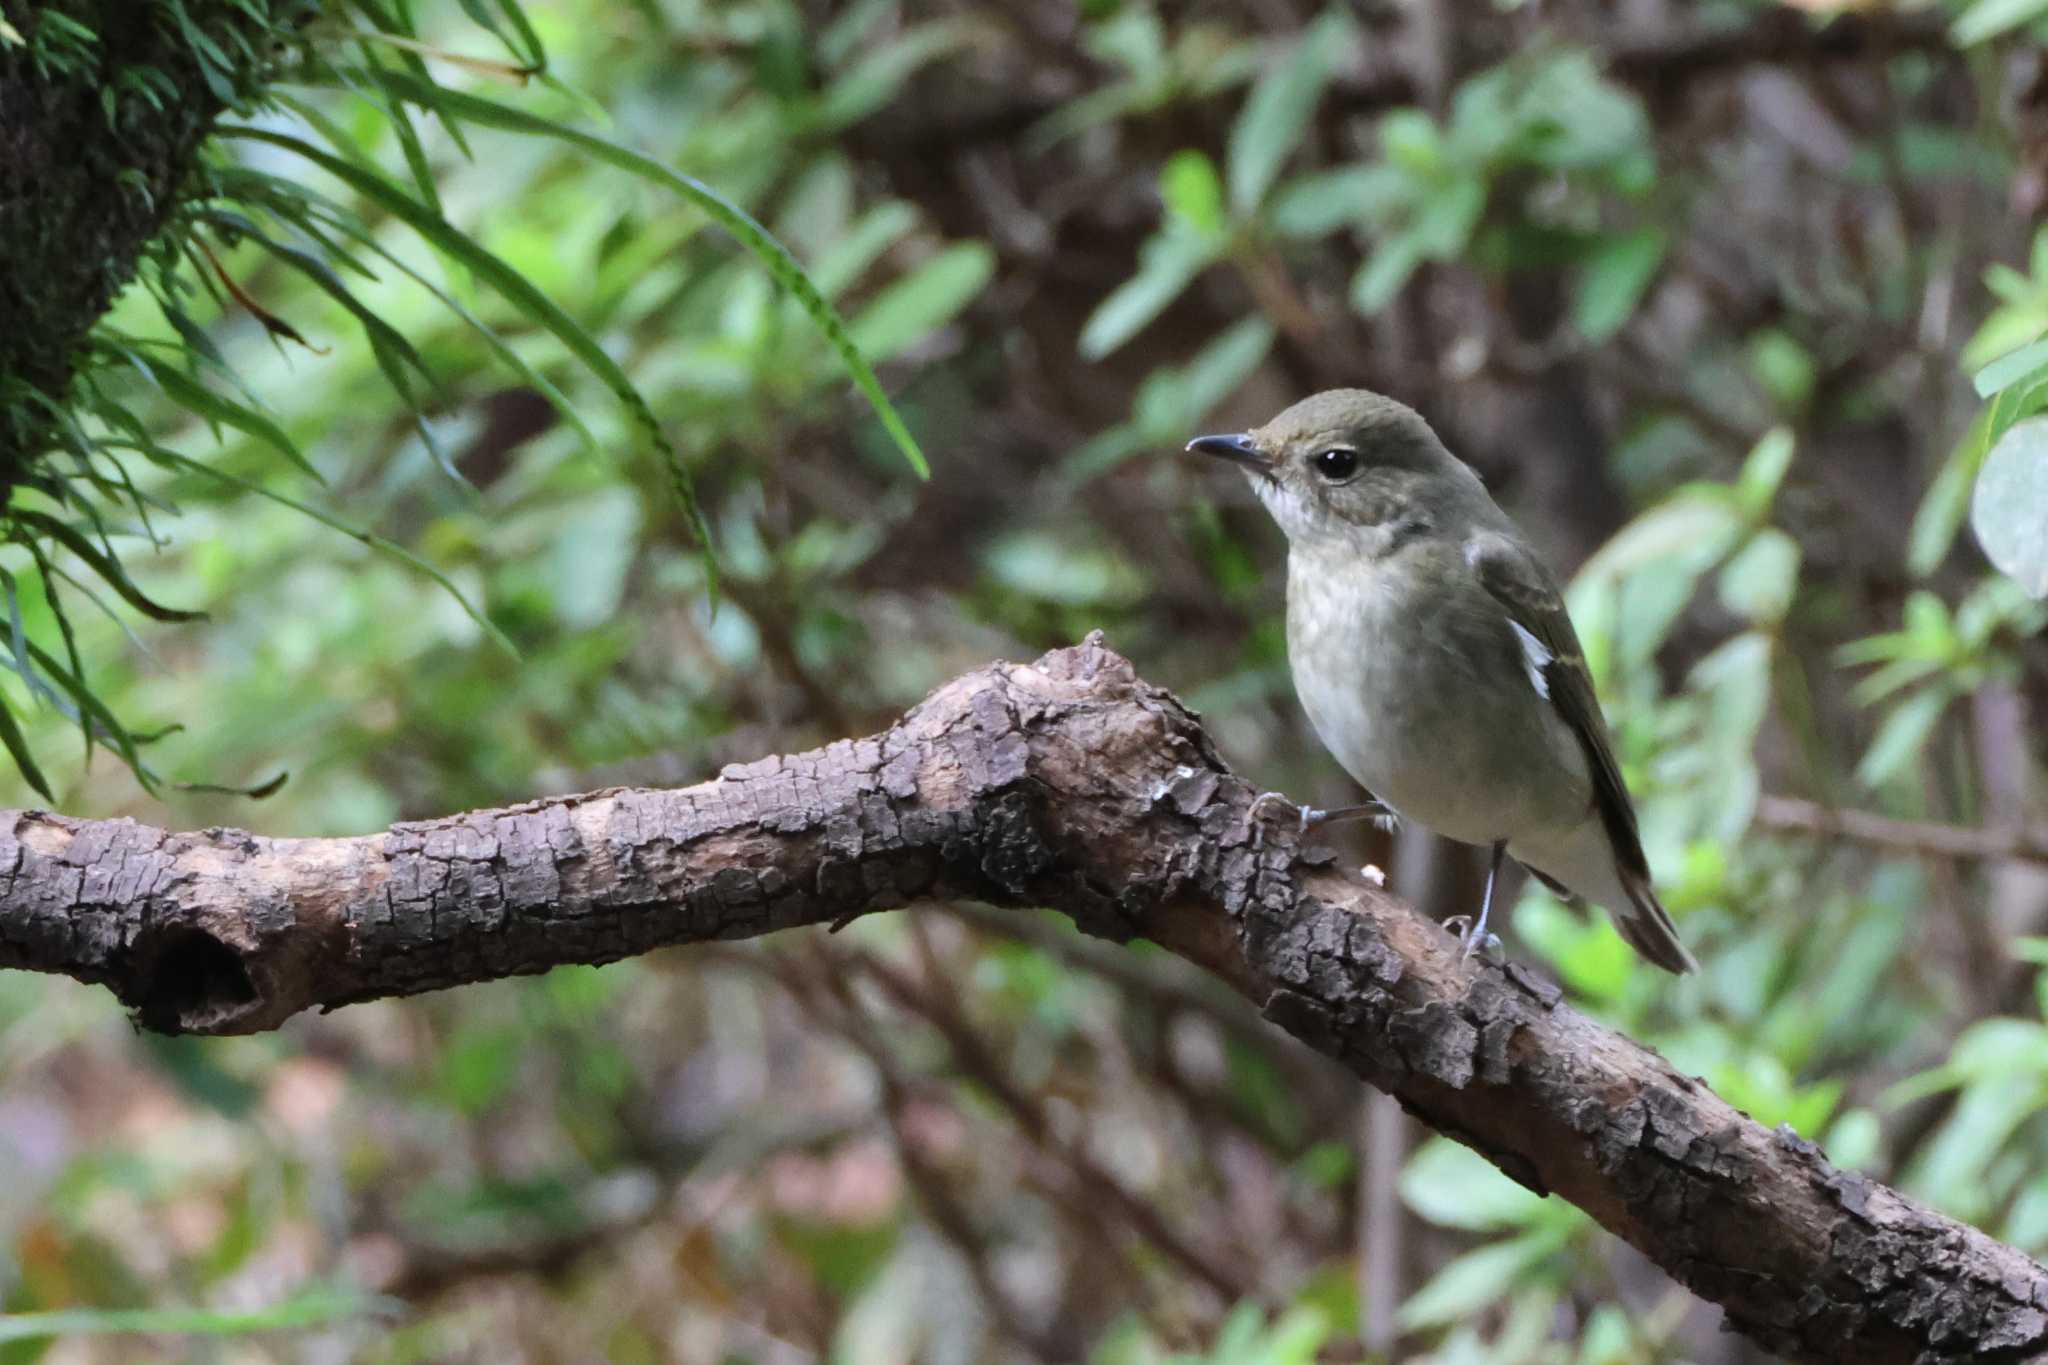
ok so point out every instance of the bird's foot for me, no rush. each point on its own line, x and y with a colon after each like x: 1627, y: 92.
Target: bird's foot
x: 1310, y: 819
x: 1472, y: 932
x: 1305, y: 813
x: 1482, y: 941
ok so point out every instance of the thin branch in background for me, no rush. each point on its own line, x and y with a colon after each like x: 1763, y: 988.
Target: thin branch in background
x: 1165, y: 981
x: 972, y: 1055
x: 1925, y: 838
x: 954, y: 1224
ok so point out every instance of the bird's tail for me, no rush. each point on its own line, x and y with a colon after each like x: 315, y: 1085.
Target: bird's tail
x: 1587, y: 864
x: 1649, y: 930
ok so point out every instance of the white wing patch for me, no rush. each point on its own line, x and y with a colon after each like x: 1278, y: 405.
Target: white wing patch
x: 1536, y: 656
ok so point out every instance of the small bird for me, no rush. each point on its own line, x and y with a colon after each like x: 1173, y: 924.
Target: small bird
x: 1432, y: 652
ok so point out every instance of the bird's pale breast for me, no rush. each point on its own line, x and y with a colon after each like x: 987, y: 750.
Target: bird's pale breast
x: 1447, y: 729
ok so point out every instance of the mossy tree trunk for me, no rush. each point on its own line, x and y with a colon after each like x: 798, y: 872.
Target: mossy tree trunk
x: 103, y: 107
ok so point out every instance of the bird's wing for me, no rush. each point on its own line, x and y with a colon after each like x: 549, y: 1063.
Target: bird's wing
x: 1557, y: 670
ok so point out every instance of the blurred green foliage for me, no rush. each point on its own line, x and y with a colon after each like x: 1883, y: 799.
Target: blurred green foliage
x: 1067, y: 238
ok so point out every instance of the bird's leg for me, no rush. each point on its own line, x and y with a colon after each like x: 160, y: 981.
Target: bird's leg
x: 1474, y: 934
x: 1375, y: 809
x: 1313, y: 819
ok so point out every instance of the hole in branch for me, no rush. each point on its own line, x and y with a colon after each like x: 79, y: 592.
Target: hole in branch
x: 188, y: 979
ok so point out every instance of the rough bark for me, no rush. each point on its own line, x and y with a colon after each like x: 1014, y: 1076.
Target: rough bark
x: 1068, y: 783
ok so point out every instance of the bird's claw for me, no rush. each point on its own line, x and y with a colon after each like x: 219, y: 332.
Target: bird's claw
x: 1485, y: 942
x: 1308, y: 816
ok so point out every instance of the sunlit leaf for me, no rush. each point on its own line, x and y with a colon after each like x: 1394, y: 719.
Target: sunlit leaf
x: 1478, y: 1277
x: 1454, y: 1187
x: 1192, y: 192
x: 1167, y: 264
x: 1757, y: 582
x: 1386, y: 269
x: 2009, y: 511
x: 1763, y: 472
x: 926, y: 298
x: 1318, y: 204
x: 1614, y: 280
x: 2027, y: 362
x: 1901, y: 737
x: 1986, y: 19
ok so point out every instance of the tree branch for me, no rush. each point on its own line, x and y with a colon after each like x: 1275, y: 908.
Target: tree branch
x: 1903, y: 836
x: 1067, y: 783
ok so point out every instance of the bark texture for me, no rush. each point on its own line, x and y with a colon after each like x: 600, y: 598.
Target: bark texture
x: 1068, y: 783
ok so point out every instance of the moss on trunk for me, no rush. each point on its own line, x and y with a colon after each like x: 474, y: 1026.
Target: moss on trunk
x: 103, y: 107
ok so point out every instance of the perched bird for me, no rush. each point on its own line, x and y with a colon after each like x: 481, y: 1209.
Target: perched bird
x: 1433, y: 655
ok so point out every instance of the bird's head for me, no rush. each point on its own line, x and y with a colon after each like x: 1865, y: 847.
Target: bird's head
x: 1346, y: 464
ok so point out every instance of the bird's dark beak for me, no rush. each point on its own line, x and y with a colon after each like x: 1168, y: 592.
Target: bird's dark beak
x: 1237, y: 448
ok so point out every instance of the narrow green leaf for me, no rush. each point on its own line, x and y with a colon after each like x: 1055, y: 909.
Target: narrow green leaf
x: 65, y: 633
x: 24, y: 761
x: 95, y: 717
x: 1478, y: 1277
x: 1895, y: 676
x: 1277, y: 112
x: 105, y: 565
x: 389, y: 344
x: 1227, y: 361
x: 190, y: 394
x: 1763, y: 471
x: 1614, y: 281
x: 312, y: 1308
x: 873, y: 81
x: 214, y: 66
x: 493, y: 269
x: 2010, y: 369
x: 17, y: 638
x: 499, y: 347
x: 355, y: 533
x: 727, y: 214
x: 1167, y: 264
x: 1902, y: 735
x: 927, y: 298
x: 401, y: 25
x: 299, y: 206
x: 480, y: 14
x: 409, y: 144
x: 1385, y: 270
x: 529, y: 51
x: 1317, y: 204
x: 1945, y: 505
x: 268, y: 787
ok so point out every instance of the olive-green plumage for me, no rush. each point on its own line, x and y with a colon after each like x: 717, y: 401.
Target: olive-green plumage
x: 1433, y: 655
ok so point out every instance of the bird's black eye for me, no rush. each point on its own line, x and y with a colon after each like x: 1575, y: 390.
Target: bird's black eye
x: 1335, y: 464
